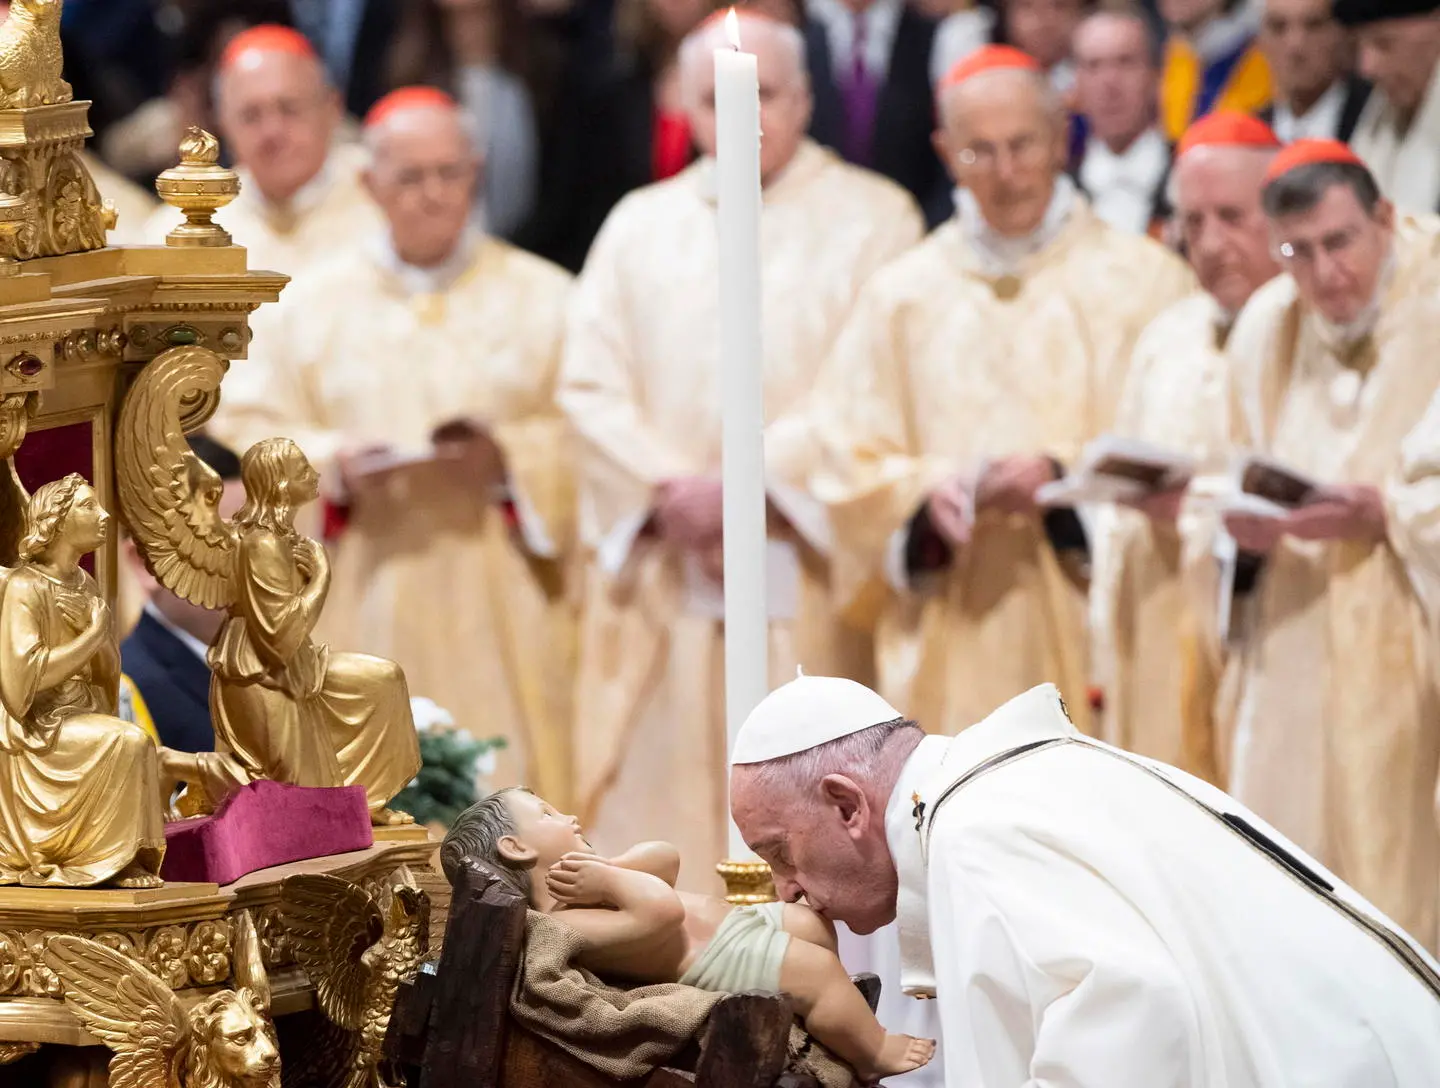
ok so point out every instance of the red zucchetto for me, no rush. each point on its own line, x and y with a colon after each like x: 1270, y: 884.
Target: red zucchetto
x: 988, y: 58
x: 265, y: 38
x: 408, y: 98
x: 1227, y: 128
x: 1310, y: 153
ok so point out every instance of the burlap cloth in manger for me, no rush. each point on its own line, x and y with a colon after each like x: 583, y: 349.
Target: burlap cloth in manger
x: 625, y: 1033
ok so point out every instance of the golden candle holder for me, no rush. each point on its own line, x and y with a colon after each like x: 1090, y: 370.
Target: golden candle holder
x: 747, y: 883
x: 199, y: 187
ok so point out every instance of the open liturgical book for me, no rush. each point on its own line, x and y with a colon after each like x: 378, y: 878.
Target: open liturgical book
x: 389, y: 458
x: 1115, y: 469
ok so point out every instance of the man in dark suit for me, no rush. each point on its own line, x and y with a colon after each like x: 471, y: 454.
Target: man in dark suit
x: 1315, y: 95
x: 164, y: 657
x: 871, y: 76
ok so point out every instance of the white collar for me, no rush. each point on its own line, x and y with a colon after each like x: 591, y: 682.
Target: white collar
x: 305, y: 199
x: 1321, y: 120
x: 1038, y: 714
x: 1224, y: 34
x: 435, y: 280
x: 999, y: 255
x: 1140, y: 164
x: 189, y: 641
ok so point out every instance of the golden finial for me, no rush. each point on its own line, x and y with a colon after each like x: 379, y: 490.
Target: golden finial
x: 199, y: 187
x: 199, y: 148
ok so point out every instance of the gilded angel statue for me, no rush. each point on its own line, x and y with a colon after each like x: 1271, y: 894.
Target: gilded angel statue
x: 356, y: 953
x: 80, y: 799
x: 227, y: 1040
x: 284, y: 706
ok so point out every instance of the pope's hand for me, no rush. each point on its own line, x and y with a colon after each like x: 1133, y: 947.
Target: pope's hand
x: 1345, y: 512
x: 1009, y: 484
x: 689, y: 511
x: 947, y: 509
x: 580, y: 880
x: 1161, y: 506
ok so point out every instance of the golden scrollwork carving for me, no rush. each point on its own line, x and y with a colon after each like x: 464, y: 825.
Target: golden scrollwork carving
x: 356, y: 950
x: 275, y: 946
x: 193, y: 954
x: 227, y: 1040
x: 13, y: 1052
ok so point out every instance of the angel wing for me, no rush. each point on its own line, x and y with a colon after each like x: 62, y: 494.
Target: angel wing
x: 169, y: 497
x: 331, y: 924
x: 124, y: 1006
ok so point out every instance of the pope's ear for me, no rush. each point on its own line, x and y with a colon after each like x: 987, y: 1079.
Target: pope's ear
x: 843, y: 796
x: 515, y: 853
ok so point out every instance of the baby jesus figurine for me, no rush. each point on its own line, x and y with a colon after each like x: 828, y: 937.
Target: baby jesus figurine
x: 637, y: 927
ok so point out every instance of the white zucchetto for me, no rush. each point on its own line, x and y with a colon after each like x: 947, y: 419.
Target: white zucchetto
x: 807, y: 712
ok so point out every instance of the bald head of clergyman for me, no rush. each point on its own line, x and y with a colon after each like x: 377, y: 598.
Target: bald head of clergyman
x: 785, y: 101
x: 813, y: 770
x: 1003, y: 137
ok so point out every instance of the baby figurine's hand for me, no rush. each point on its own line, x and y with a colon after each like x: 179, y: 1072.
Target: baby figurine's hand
x: 580, y: 880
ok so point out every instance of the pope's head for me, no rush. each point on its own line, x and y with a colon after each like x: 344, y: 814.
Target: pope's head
x: 815, y: 765
x: 1002, y: 136
x: 276, y: 109
x: 1219, y: 170
x: 1330, y: 227
x: 784, y: 85
x: 423, y: 173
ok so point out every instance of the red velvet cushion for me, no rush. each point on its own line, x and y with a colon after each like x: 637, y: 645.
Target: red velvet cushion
x: 265, y: 824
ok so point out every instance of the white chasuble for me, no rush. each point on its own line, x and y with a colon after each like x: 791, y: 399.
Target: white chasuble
x: 429, y: 571
x: 1086, y: 918
x: 944, y: 365
x: 641, y: 387
x: 1336, y: 733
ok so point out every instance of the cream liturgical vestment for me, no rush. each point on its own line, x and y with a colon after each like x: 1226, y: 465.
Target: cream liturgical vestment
x: 430, y: 572
x: 950, y: 360
x: 1336, y: 738
x: 1153, y: 661
x: 1085, y: 917
x: 641, y: 389
x: 1405, y: 161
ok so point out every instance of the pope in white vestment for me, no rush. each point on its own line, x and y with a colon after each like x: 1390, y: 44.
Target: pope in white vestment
x: 1083, y: 917
x: 451, y: 562
x: 640, y: 387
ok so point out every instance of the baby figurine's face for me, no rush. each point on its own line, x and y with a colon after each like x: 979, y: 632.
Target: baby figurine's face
x: 543, y: 835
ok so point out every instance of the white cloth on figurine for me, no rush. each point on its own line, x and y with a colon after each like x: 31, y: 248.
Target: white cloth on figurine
x: 745, y: 954
x: 1081, y: 922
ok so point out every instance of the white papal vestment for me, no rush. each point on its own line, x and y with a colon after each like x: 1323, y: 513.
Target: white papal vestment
x: 1084, y: 923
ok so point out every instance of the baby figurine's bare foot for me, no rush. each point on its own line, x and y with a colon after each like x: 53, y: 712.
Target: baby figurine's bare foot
x: 900, y: 1054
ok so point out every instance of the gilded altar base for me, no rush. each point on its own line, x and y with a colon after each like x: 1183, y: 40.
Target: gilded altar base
x: 183, y: 933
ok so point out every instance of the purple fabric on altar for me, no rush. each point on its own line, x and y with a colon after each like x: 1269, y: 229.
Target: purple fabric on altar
x: 55, y: 452
x: 265, y: 824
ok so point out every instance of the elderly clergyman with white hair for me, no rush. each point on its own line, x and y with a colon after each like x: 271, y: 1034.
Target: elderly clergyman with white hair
x: 416, y: 370
x: 640, y: 385
x: 1083, y: 916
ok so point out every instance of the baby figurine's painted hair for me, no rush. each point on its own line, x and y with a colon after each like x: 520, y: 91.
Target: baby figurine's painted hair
x: 476, y: 833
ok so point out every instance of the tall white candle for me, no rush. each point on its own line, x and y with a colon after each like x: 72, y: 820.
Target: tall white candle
x: 737, y: 176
